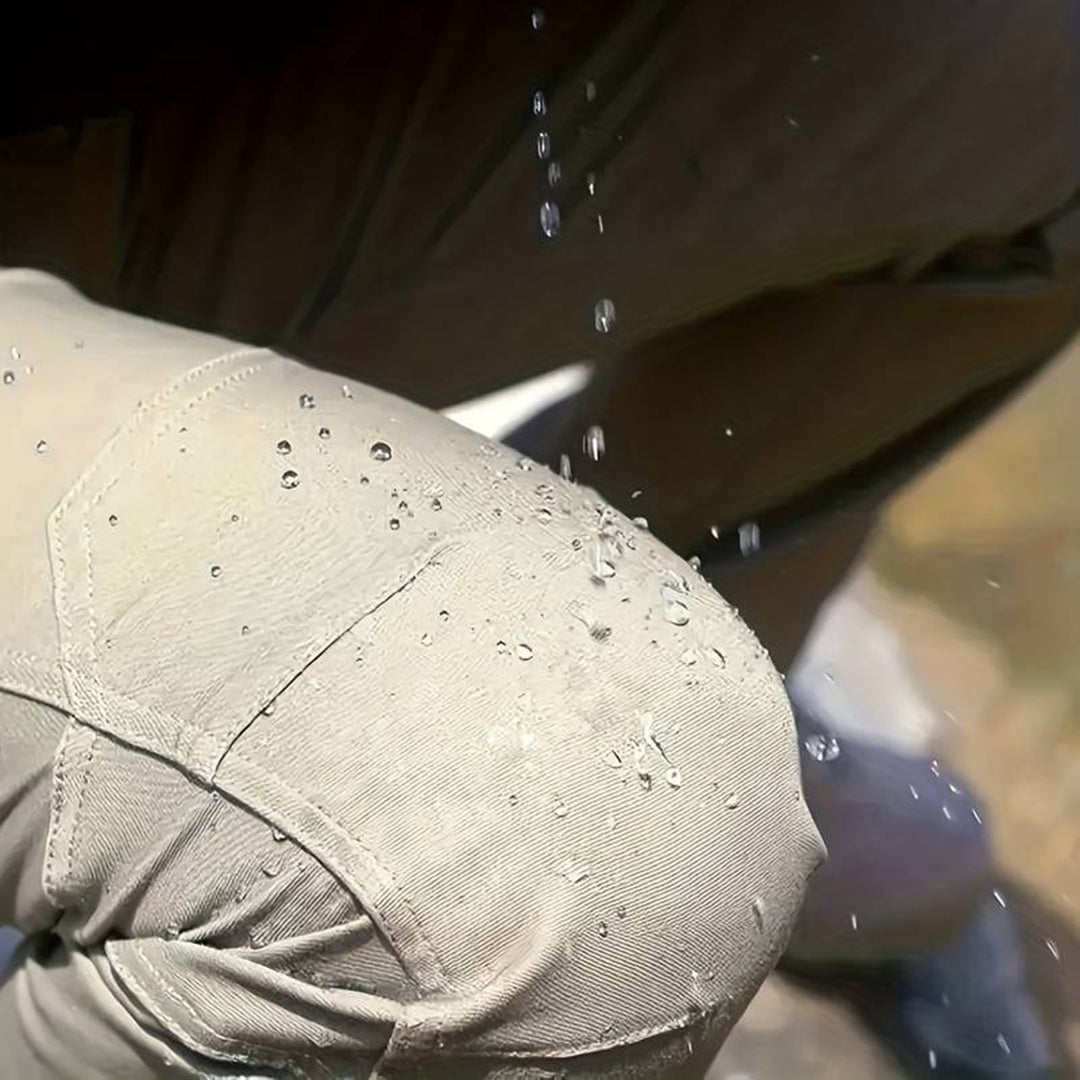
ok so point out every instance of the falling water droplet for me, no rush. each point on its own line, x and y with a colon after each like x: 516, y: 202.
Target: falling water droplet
x: 823, y: 747
x: 381, y: 451
x: 1053, y: 949
x: 749, y: 538
x: 565, y: 469
x: 539, y: 103
x: 854, y: 921
x: 999, y: 898
x: 590, y: 90
x: 674, y: 777
x: 9, y: 377
x: 215, y: 571
x: 284, y: 447
x: 307, y: 401
x: 932, y: 1057
x: 676, y: 613
x: 524, y: 652
x: 1004, y: 1044
x: 604, y: 316
x: 558, y: 808
x: 554, y: 173
x: 590, y: 183
x: 600, y: 224
x: 593, y: 442
x: 757, y: 905
x: 543, y: 145
x: 695, y: 563
x: 538, y: 18
x: 324, y: 433
x: 550, y: 219
x: 41, y: 446
x: 289, y: 479
x: 714, y: 531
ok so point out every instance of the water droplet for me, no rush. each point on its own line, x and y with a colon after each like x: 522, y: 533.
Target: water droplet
x: 272, y: 868
x: 999, y: 898
x: 600, y: 224
x: 277, y: 834
x: 543, y: 145
x: 932, y: 1057
x: 436, y: 503
x: 854, y: 921
x: 641, y: 522
x: 674, y: 777
x: 728, y: 432
x: 113, y: 519
x: 1053, y: 949
x: 284, y: 447
x: 604, y: 316
x: 538, y: 18
x: 947, y: 812
x: 270, y: 708
x: 620, y: 911
x: 364, y: 480
x: 539, y: 103
x: 1004, y: 1044
x: 172, y: 932
x: 395, y: 524
x: 695, y: 563
x: 245, y: 629
x: 612, y: 760
x: 307, y: 401
x: 593, y: 442
x: 41, y: 446
x: 15, y: 354
x: 346, y: 390
x: 757, y: 906
x: 215, y: 571
x: 823, y: 747
x: 732, y: 801
x: 554, y: 174
x: 749, y: 538
x: 714, y: 531
x: 289, y: 479
x: 524, y: 464
x: 689, y: 658
x: 976, y: 815
x: 565, y: 470
x: 604, y: 567
x: 914, y: 793
x: 590, y: 183
x: 558, y: 808
x: 500, y: 646
x: 381, y: 451
x: 602, y: 929
x: 524, y: 652
x: 324, y: 433
x: 425, y: 639
x: 9, y: 377
x: 234, y: 518
x: 590, y: 91
x: 574, y: 871
x: 676, y: 613
x: 513, y: 800
x: 550, y: 219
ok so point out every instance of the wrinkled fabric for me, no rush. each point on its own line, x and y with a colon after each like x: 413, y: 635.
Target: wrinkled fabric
x: 380, y: 747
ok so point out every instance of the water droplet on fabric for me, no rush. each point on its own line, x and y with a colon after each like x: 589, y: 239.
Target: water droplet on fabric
x: 272, y: 868
x: 513, y: 800
x: 425, y: 639
x: 395, y: 524
x: 539, y: 103
x: 284, y: 447
x: 593, y: 442
x: 620, y: 911
x: 381, y: 451
x: 757, y: 905
x: 41, y: 446
x: 604, y: 316
x: 676, y: 613
x: 307, y: 401
x: 524, y: 652
x: 215, y: 571
x: 500, y: 646
x: 113, y: 519
x: 674, y: 777
x: 689, y: 658
x: 602, y: 929
x: 436, y: 503
x: 641, y: 522
x: 346, y: 390
x: 732, y: 801
x: 245, y: 630
x: 9, y: 377
x: 554, y: 173
x: 289, y: 479
x: 524, y: 464
x: 270, y: 709
x: 550, y: 219
x: 574, y: 871
x: 277, y: 834
x: 543, y: 145
x: 749, y: 538
x: 324, y: 433
x: 604, y: 568
x: 695, y: 563
x: 822, y: 747
x: 538, y: 18
x: 558, y: 808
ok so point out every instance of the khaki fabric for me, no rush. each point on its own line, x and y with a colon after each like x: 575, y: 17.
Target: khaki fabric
x: 371, y: 746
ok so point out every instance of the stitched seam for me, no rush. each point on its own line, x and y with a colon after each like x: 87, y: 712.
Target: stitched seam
x: 432, y: 955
